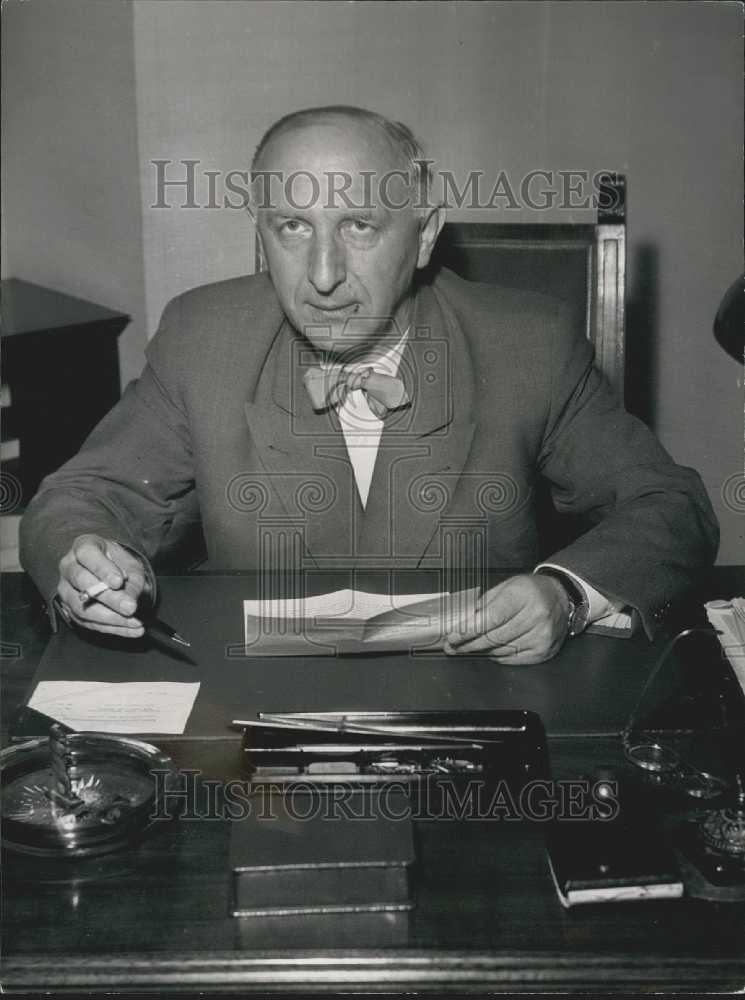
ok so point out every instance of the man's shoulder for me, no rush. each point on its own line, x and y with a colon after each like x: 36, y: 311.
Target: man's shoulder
x: 231, y: 317
x: 522, y: 328
x: 251, y: 292
x: 479, y: 300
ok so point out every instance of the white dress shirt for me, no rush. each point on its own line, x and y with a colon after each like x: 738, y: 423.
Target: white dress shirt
x: 362, y: 432
x: 361, y: 428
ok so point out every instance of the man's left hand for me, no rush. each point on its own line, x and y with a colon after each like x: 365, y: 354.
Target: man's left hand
x: 521, y: 621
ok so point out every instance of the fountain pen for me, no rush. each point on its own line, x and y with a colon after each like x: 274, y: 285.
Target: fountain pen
x: 154, y: 627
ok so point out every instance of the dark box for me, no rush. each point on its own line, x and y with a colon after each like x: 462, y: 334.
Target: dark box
x: 331, y: 850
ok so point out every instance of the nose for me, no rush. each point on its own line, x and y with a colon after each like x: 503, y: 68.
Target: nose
x: 327, y: 267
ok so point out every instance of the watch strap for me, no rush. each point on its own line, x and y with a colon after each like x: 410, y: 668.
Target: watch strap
x: 579, y: 605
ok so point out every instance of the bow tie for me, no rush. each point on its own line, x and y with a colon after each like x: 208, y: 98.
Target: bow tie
x: 330, y: 387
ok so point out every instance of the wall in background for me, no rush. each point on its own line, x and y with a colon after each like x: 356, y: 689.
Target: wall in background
x: 650, y: 89
x: 72, y: 216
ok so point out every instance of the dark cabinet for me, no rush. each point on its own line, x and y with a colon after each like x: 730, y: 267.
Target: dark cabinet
x: 60, y: 367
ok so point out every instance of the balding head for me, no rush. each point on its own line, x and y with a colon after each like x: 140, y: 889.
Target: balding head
x: 406, y: 150
x: 340, y: 223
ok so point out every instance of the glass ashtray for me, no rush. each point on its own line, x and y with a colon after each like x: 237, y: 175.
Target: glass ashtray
x: 116, y: 782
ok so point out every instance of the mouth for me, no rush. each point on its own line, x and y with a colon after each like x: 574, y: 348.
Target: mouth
x: 325, y: 312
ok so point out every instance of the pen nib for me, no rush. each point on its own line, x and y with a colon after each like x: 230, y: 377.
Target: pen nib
x: 180, y: 640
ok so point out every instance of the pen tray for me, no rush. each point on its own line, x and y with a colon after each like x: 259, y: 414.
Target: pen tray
x: 374, y: 747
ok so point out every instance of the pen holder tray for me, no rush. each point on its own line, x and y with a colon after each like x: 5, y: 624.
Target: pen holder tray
x: 372, y: 748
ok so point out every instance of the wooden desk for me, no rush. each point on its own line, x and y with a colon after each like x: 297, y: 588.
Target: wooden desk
x: 486, y: 917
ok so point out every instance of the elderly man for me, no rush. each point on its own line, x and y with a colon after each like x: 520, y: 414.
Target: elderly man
x: 340, y: 411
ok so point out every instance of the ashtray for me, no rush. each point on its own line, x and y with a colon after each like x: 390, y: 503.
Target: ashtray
x: 80, y: 794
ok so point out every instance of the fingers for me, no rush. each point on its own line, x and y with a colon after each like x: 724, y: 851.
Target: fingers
x: 90, y: 561
x: 521, y: 621
x: 506, y: 640
x: 135, y: 577
x: 511, y: 643
x: 97, y: 616
x: 520, y: 657
x: 90, y: 552
x: 495, y: 613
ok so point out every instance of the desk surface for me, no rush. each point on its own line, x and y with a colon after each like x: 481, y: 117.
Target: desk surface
x: 486, y: 917
x: 590, y: 687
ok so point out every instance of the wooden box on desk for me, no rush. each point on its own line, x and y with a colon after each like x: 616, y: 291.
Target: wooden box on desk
x: 322, y: 851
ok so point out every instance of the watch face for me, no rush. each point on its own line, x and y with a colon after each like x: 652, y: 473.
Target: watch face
x: 108, y: 797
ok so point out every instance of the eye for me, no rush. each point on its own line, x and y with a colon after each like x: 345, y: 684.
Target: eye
x: 292, y: 227
x: 361, y: 230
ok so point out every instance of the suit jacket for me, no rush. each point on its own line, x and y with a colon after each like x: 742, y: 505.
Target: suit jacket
x: 219, y: 428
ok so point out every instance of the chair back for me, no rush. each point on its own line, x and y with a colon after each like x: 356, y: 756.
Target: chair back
x: 583, y: 264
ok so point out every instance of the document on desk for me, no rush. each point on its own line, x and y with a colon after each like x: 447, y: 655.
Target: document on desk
x: 728, y: 618
x: 124, y: 707
x: 352, y: 621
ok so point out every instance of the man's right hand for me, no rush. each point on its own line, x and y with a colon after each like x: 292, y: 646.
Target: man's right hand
x: 92, y: 559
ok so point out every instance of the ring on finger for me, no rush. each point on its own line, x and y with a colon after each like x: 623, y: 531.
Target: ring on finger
x: 62, y: 609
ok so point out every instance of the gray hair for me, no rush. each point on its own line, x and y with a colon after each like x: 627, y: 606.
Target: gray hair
x: 401, y: 137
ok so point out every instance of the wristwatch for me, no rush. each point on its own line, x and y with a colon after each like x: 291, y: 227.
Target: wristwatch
x: 579, y: 606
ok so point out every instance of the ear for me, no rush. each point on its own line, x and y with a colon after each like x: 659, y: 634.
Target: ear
x: 429, y: 230
x: 260, y: 262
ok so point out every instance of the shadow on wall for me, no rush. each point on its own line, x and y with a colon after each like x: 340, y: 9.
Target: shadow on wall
x: 641, y: 334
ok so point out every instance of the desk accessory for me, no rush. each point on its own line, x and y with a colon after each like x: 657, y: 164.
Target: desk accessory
x: 317, y: 852
x: 154, y: 627
x: 600, y: 863
x: 157, y: 629
x: 687, y: 738
x: 78, y: 794
x: 368, y: 747
x: 613, y: 859
x: 711, y: 853
x: 728, y: 618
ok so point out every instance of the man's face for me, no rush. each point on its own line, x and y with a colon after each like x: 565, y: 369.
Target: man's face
x: 340, y: 256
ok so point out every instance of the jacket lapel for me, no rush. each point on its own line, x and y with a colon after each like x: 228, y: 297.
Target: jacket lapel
x: 306, y: 472
x: 423, y: 449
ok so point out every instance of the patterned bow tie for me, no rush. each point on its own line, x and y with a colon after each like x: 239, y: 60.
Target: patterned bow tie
x: 330, y: 387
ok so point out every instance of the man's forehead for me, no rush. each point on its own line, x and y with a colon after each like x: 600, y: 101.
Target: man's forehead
x: 331, y: 142
x: 334, y: 163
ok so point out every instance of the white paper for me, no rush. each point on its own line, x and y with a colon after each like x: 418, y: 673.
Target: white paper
x: 728, y: 618
x: 327, y: 624
x: 127, y: 707
x: 341, y: 605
